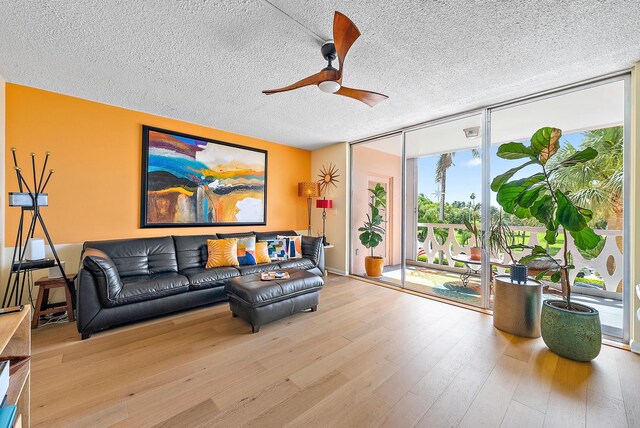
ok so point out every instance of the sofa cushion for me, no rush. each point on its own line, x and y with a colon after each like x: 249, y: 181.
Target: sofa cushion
x: 277, y: 249
x: 222, y: 252
x: 247, y: 250
x: 142, y: 256
x: 235, y: 235
x: 248, y: 270
x: 250, y: 290
x: 303, y: 263
x: 269, y: 236
x: 293, y: 251
x: 201, y: 278
x: 262, y: 252
x: 191, y: 251
x: 148, y: 287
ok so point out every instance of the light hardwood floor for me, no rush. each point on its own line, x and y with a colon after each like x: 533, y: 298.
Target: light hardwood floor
x: 370, y: 356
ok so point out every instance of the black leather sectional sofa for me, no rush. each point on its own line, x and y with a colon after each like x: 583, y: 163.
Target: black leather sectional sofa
x: 128, y: 280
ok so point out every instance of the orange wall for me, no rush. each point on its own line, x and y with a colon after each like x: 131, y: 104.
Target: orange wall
x: 97, y: 155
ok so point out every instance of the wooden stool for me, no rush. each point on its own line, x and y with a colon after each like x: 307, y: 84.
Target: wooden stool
x: 43, y: 307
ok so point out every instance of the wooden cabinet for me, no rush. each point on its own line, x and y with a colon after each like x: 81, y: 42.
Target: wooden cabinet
x: 15, y: 341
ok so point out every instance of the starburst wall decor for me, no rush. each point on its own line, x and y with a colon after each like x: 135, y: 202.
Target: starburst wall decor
x: 328, y: 177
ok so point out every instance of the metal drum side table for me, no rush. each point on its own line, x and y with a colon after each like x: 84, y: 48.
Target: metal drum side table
x: 517, y: 307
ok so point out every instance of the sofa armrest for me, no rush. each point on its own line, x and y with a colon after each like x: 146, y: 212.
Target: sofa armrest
x: 88, y: 303
x: 105, y: 275
x: 313, y: 249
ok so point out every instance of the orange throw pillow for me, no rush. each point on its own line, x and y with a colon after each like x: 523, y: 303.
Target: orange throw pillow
x: 222, y: 252
x: 262, y: 252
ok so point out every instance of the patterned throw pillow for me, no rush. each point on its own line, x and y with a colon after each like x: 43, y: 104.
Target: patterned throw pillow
x: 262, y: 252
x: 247, y: 251
x: 222, y: 252
x: 293, y: 251
x: 277, y: 249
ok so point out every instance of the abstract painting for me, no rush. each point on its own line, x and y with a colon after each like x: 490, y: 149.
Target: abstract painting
x: 195, y: 181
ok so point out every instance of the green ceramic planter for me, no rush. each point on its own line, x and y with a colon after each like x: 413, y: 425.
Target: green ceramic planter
x: 572, y: 334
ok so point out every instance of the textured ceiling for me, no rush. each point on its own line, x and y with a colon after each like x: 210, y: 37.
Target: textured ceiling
x: 206, y: 61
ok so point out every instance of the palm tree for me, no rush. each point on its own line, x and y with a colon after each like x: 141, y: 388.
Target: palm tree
x: 596, y: 185
x: 445, y: 161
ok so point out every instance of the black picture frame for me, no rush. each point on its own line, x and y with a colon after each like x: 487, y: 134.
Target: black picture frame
x: 144, y: 200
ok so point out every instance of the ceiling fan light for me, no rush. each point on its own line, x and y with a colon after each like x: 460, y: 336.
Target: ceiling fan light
x: 329, y: 86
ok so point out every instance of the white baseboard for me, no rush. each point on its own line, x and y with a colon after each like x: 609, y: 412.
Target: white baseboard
x: 337, y: 271
x: 635, y: 347
x: 69, y: 253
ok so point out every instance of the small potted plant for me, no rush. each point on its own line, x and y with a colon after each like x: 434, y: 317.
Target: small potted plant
x: 373, y: 230
x: 503, y: 239
x: 472, y: 226
x: 569, y: 329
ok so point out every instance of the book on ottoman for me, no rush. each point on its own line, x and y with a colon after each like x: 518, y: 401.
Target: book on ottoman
x: 271, y: 275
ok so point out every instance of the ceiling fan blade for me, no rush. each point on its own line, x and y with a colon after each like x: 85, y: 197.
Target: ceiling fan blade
x: 345, y: 33
x: 367, y: 97
x: 307, y: 81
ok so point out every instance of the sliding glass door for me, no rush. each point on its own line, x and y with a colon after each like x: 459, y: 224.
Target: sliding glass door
x: 443, y: 216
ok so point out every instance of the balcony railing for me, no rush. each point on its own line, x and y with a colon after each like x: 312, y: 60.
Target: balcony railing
x: 607, y: 265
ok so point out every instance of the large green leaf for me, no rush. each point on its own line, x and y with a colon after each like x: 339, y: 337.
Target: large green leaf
x: 568, y: 215
x: 552, y: 233
x: 542, y: 209
x: 508, y: 193
x: 532, y: 257
x: 370, y: 239
x: 543, y: 140
x: 537, y: 249
x: 529, y: 196
x: 587, y: 213
x: 515, y: 151
x: 522, y: 212
x: 586, y: 239
x: 499, y: 180
x: 581, y: 156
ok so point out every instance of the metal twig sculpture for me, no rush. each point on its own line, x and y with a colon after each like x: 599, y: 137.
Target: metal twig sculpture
x: 30, y: 200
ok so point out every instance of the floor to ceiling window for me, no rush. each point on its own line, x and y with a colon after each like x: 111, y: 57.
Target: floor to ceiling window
x: 436, y: 183
x: 590, y: 117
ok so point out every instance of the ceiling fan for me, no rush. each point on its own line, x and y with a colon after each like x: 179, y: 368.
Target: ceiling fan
x: 345, y: 33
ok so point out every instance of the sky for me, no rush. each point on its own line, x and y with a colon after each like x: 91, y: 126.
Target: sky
x: 465, y: 177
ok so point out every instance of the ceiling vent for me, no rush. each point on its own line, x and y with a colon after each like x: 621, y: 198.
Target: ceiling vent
x: 473, y: 132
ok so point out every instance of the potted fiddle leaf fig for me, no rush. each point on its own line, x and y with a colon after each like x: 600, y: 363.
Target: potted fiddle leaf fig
x: 373, y: 230
x: 568, y: 329
x: 472, y: 226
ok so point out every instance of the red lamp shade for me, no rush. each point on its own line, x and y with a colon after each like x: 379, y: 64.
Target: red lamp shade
x: 324, y: 203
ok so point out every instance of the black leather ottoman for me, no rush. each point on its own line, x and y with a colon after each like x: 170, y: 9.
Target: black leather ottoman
x: 259, y: 302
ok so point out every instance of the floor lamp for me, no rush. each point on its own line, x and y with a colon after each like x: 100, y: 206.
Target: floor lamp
x: 309, y: 190
x: 324, y: 204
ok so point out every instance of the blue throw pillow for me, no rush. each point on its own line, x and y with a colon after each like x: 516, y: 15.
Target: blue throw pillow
x: 247, y: 251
